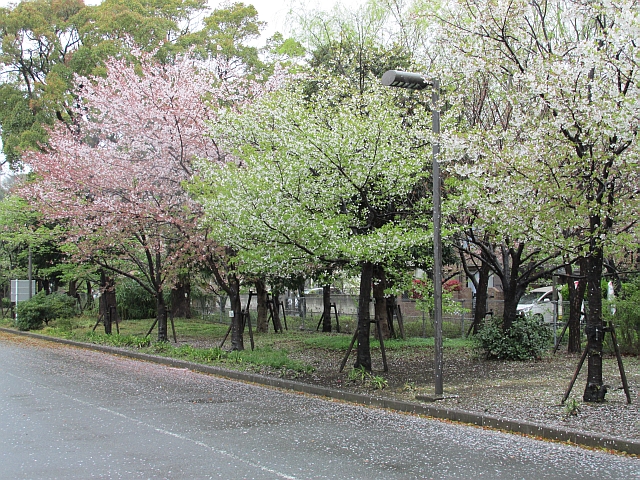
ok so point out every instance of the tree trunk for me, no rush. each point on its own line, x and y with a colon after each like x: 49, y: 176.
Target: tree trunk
x: 364, y: 352
x: 73, y: 289
x: 237, y: 325
x: 263, y: 310
x: 482, y: 296
x: 222, y: 304
x: 107, y: 302
x: 181, y: 297
x: 380, y: 302
x: 513, y: 285
x: 576, y: 298
x: 161, y: 316
x: 73, y: 293
x: 277, y: 324
x: 326, y: 308
x: 512, y: 294
x: 595, y: 390
x: 89, y: 303
x: 391, y: 309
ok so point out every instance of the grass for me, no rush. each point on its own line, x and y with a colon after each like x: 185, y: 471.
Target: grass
x: 272, y: 350
x: 341, y: 342
x: 133, y: 335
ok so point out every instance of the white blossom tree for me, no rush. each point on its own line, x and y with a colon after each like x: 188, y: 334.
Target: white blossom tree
x: 559, y: 166
x: 333, y: 179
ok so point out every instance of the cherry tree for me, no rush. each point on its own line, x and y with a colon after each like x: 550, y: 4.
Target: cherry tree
x: 115, y: 175
x: 337, y: 179
x: 559, y: 166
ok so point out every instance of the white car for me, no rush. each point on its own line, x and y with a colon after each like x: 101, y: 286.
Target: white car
x: 318, y: 291
x: 539, y: 303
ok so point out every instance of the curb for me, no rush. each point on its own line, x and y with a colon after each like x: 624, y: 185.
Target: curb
x: 487, y: 421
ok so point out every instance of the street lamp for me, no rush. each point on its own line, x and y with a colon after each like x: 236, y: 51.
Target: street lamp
x: 416, y: 81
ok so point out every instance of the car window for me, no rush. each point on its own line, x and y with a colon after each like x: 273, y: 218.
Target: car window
x: 529, y: 298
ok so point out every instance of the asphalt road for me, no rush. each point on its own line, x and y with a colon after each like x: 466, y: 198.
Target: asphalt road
x: 71, y: 413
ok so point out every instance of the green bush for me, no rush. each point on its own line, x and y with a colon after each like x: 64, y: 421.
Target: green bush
x: 526, y: 339
x: 626, y: 317
x: 134, y: 302
x: 42, y: 308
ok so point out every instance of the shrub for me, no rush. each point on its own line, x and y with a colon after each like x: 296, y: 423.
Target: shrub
x: 627, y: 317
x: 526, y: 339
x: 42, y: 308
x: 134, y: 302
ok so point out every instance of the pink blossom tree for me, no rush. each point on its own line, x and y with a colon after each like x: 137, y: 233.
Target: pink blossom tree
x: 115, y: 176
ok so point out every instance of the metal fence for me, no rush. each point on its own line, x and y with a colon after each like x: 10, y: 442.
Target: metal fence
x: 304, y: 313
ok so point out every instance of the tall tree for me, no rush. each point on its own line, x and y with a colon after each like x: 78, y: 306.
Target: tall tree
x: 564, y: 158
x: 46, y: 42
x: 38, y: 38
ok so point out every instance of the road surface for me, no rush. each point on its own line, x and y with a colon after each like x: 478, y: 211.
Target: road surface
x: 71, y: 413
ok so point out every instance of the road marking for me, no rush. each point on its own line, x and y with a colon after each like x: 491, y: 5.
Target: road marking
x: 160, y: 430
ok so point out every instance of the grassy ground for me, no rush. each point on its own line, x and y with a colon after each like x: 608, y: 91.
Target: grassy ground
x: 200, y: 341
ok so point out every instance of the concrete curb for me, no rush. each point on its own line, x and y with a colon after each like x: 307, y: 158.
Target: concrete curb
x: 487, y: 421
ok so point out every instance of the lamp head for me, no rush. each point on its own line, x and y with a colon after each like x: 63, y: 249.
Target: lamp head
x: 411, y: 81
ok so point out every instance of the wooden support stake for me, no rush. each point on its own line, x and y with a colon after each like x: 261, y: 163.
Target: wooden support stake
x: 380, y: 339
x: 152, y: 327
x: 400, y: 322
x: 390, y: 313
x: 98, y: 323
x: 253, y: 346
x: 557, y: 346
x: 226, y: 335
x: 353, y: 341
x: 611, y: 329
x: 623, y: 376
x: 173, y: 328
x: 117, y: 321
x: 284, y: 316
x: 335, y: 310
x: 575, y: 375
x: 346, y: 357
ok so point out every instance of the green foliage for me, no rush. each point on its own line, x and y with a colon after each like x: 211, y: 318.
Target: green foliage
x: 377, y: 382
x: 228, y: 31
x: 525, y: 340
x: 41, y: 308
x: 572, y: 407
x: 117, y: 340
x: 341, y: 342
x: 260, y: 357
x: 627, y: 317
x: 358, y: 374
x: 134, y: 302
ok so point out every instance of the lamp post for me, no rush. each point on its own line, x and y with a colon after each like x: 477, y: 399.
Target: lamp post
x: 416, y: 81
